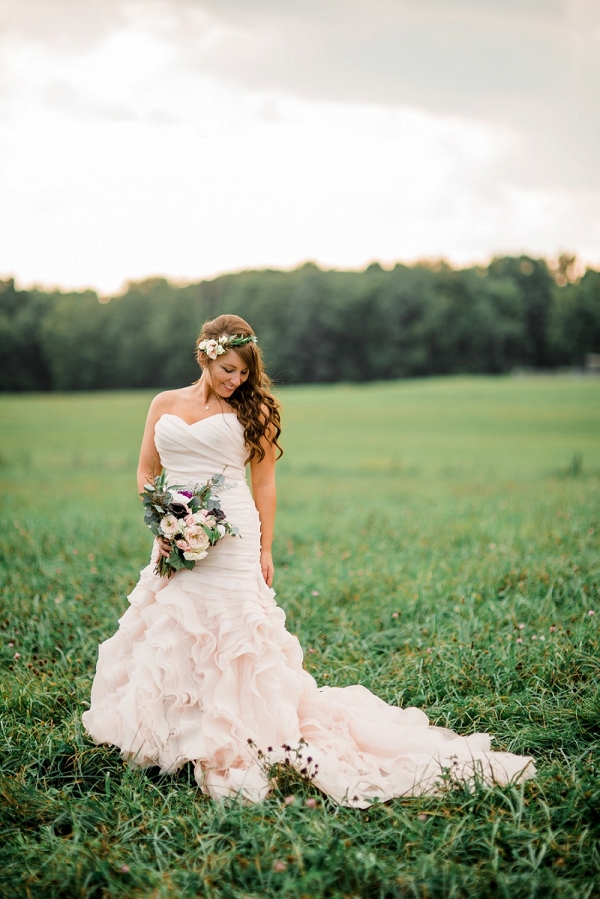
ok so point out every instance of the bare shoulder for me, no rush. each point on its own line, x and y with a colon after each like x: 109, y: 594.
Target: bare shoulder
x: 265, y: 410
x: 167, y: 400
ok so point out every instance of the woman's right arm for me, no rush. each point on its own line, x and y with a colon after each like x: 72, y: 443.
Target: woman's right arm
x: 149, y: 464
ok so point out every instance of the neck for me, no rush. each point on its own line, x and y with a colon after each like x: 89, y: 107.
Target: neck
x: 206, y: 394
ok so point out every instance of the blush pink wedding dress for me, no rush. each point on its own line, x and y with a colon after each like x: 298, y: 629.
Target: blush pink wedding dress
x: 202, y: 663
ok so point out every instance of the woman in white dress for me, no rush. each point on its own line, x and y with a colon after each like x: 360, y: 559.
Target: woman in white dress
x: 202, y: 668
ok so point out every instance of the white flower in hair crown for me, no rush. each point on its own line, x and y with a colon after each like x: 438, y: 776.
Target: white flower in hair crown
x: 214, y: 348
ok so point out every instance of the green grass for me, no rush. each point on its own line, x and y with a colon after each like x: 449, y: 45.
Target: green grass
x: 424, y: 527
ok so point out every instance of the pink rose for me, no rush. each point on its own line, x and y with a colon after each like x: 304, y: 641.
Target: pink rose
x: 169, y: 525
x: 197, y: 539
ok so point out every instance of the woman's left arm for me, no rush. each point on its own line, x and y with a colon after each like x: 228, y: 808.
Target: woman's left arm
x: 262, y: 475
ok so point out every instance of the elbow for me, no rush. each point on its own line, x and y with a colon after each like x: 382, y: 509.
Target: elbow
x: 264, y: 490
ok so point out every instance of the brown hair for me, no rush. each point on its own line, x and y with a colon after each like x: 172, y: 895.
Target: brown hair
x: 255, y: 406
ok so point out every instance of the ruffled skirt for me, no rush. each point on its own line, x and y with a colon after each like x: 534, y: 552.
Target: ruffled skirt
x: 202, y: 669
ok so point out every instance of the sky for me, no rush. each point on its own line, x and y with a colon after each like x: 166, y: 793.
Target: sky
x: 187, y: 138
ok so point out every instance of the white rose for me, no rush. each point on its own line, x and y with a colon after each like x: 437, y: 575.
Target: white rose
x: 180, y: 498
x: 195, y: 556
x: 211, y: 349
x: 170, y: 525
x: 221, y: 530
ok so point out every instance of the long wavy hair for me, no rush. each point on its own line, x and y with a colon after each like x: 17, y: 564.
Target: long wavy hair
x: 255, y: 406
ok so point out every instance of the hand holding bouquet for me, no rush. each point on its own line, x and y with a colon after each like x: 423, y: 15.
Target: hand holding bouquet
x: 189, y: 519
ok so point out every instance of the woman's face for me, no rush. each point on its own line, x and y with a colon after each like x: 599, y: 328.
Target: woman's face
x: 226, y: 373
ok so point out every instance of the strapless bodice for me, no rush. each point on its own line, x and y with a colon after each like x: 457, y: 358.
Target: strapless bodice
x: 193, y: 453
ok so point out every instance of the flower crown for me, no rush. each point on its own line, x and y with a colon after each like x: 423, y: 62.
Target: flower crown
x: 214, y: 348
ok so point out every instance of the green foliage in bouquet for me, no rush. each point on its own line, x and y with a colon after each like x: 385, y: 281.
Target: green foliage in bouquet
x: 189, y: 518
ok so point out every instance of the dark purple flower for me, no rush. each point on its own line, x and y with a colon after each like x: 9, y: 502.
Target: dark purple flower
x: 178, y: 509
x: 187, y: 493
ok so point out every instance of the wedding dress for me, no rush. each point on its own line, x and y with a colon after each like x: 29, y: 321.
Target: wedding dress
x: 202, y: 664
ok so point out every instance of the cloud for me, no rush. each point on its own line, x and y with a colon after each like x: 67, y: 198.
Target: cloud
x: 410, y: 51
x: 533, y: 65
x: 68, y: 25
x: 456, y: 56
x: 194, y: 136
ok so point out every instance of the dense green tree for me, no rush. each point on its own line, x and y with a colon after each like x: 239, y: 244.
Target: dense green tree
x: 73, y: 337
x: 533, y: 279
x: 23, y: 362
x: 313, y: 325
x: 574, y: 328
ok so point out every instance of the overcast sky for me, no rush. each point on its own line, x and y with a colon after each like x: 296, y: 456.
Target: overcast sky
x: 192, y: 137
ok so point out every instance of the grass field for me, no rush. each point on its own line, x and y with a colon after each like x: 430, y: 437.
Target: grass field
x: 437, y: 542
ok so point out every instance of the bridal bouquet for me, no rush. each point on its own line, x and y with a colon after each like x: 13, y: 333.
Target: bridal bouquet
x: 189, y: 518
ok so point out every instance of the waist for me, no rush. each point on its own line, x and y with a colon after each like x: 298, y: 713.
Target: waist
x: 190, y: 480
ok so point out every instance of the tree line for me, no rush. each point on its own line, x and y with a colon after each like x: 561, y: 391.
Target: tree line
x: 313, y: 325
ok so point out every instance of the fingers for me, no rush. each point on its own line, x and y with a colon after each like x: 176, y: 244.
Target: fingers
x: 267, y: 572
x: 163, y: 547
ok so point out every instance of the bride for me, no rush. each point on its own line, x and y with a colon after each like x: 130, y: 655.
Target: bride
x: 202, y: 668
